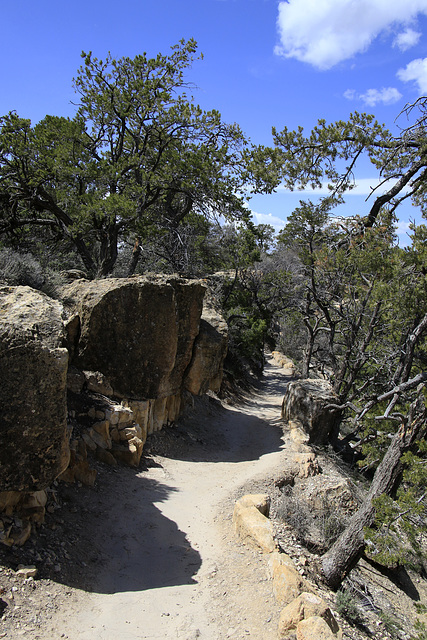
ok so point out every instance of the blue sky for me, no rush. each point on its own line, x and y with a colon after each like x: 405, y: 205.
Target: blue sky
x: 266, y: 63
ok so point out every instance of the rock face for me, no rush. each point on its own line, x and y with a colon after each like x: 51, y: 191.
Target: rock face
x: 33, y: 371
x: 315, y: 628
x: 210, y: 349
x: 305, y: 403
x: 138, y: 332
x: 132, y: 349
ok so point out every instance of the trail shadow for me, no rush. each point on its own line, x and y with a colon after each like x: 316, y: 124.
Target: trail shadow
x: 114, y: 537
x: 213, y: 432
x: 398, y: 576
x: 272, y: 383
x: 111, y: 538
x: 146, y: 549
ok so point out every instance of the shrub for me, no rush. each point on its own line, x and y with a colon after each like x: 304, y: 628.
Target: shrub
x: 22, y: 269
x: 346, y: 606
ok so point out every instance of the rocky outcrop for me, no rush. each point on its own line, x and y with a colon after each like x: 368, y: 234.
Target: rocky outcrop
x: 18, y: 510
x: 288, y: 583
x: 283, y: 361
x: 136, y: 348
x: 138, y: 332
x: 306, y: 403
x: 33, y: 370
x: 210, y: 349
x: 305, y: 606
x: 316, y: 628
x: 143, y: 341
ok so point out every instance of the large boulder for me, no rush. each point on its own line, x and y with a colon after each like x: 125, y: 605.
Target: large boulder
x: 210, y: 349
x: 33, y: 371
x: 288, y: 584
x: 138, y: 332
x: 306, y: 403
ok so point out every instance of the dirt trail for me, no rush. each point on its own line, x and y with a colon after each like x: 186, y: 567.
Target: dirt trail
x: 167, y: 564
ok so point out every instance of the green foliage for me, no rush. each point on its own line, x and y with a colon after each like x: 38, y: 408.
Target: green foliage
x: 421, y: 629
x: 253, y: 293
x: 136, y: 160
x: 346, y: 606
x: 420, y: 626
x: 390, y: 622
x: 358, y: 305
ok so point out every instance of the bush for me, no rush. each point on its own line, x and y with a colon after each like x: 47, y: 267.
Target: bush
x: 18, y: 269
x: 346, y: 606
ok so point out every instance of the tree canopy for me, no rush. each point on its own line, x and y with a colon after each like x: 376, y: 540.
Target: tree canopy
x: 138, y: 157
x: 331, y: 152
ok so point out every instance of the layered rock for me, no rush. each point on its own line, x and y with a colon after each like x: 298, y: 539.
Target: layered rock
x: 306, y: 403
x: 33, y: 369
x: 138, y: 332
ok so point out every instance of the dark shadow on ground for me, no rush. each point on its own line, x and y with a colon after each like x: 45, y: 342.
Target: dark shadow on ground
x: 90, y: 542
x: 399, y: 577
x: 145, y: 556
x: 214, y: 432
x: 217, y: 434
x: 110, y: 538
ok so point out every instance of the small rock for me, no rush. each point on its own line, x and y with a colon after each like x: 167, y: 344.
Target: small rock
x: 25, y: 572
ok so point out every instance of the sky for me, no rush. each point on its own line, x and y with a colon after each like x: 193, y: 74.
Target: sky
x: 265, y: 63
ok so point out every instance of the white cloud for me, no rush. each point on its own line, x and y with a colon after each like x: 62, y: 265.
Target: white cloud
x: 388, y: 95
x: 372, y: 97
x: 402, y: 228
x: 325, y: 32
x: 268, y: 218
x: 415, y: 71
x: 407, y: 39
x: 364, y: 187
x: 350, y: 94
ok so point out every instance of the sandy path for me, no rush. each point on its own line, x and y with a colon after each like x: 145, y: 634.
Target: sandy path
x: 170, y: 567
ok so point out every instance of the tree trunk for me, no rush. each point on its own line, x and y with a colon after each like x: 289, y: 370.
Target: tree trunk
x: 108, y: 251
x: 305, y: 371
x: 136, y: 254
x: 346, y: 551
x: 46, y: 202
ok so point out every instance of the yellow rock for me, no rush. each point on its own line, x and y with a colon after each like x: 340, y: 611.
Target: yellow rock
x: 260, y: 501
x: 315, y: 628
x: 305, y: 606
x: 254, y: 528
x: 288, y: 584
x: 276, y: 559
